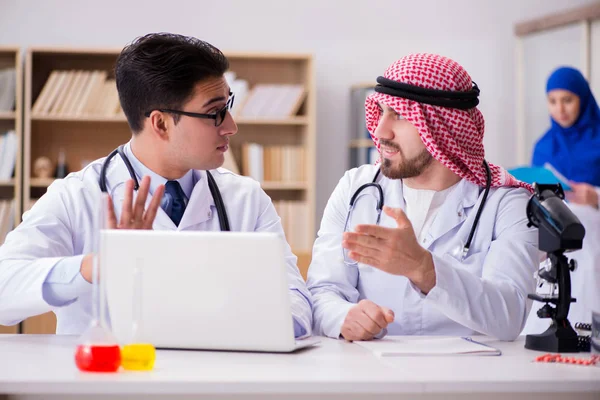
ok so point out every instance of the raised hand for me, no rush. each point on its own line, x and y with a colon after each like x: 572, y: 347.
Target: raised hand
x: 393, y: 250
x: 133, y: 213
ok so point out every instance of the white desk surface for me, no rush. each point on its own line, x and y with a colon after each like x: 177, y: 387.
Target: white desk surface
x: 35, y: 365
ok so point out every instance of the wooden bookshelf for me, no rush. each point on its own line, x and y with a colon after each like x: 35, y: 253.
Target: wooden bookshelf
x: 296, y: 130
x: 88, y: 137
x: 84, y: 138
x: 10, y: 57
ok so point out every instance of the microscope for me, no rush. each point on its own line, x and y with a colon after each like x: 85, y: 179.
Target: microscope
x: 560, y: 231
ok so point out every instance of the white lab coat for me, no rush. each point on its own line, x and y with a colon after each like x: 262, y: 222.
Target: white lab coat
x: 486, y: 293
x: 60, y: 225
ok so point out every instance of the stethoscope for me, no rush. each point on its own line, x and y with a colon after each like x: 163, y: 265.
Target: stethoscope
x: 461, y: 251
x: 212, y: 185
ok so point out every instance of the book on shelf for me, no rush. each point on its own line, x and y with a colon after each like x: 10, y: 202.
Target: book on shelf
x: 240, y: 88
x: 7, y: 217
x: 274, y: 163
x: 294, y: 217
x: 77, y: 93
x: 8, y: 154
x: 252, y: 161
x: 8, y: 89
x: 272, y: 101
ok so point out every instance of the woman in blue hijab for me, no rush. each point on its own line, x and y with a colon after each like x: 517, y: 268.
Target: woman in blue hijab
x: 572, y: 144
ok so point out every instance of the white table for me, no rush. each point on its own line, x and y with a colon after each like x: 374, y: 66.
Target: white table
x: 42, y: 366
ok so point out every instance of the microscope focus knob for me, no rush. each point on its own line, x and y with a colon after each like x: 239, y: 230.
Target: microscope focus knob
x: 573, y: 265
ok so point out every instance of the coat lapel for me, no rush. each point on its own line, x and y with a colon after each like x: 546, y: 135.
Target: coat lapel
x: 199, y: 205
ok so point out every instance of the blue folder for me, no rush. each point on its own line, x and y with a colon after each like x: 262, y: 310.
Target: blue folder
x: 538, y: 175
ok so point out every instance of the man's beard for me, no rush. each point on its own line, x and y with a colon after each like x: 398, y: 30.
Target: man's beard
x: 406, y: 168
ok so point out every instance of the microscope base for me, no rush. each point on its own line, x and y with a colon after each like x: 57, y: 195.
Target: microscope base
x: 560, y: 337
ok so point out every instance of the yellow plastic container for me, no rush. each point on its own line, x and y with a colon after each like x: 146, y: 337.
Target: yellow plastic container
x: 138, y: 357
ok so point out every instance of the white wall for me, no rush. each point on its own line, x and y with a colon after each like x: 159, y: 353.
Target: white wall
x: 543, y: 52
x: 352, y: 43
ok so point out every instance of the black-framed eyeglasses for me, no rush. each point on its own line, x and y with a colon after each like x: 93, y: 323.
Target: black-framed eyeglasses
x: 218, y: 116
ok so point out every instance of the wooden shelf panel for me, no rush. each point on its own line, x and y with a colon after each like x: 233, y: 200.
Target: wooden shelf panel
x: 363, y: 85
x: 304, y: 259
x: 271, y: 121
x: 232, y: 55
x: 271, y: 69
x: 361, y: 143
x: 284, y: 185
x: 40, y: 324
x: 45, y: 182
x: 7, y: 115
x: 10, y: 182
x: 41, y: 182
x: 9, y: 329
x: 68, y: 118
x: 300, y: 121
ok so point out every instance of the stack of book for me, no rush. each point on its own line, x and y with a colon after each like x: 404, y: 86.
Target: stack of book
x: 271, y: 101
x: 274, y: 163
x: 76, y: 93
x: 294, y: 214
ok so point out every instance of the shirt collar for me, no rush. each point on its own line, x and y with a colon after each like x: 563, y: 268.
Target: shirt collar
x: 187, y: 181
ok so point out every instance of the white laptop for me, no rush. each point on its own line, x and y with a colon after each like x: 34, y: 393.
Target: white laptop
x: 199, y: 290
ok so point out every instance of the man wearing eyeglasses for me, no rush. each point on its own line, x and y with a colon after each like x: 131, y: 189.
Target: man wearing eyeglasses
x: 167, y: 177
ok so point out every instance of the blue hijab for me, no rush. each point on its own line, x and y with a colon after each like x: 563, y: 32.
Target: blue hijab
x: 573, y: 151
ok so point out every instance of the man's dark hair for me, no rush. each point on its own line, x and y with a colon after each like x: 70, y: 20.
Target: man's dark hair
x: 160, y: 70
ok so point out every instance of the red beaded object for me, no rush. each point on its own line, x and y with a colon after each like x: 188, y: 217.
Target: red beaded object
x: 98, y: 358
x: 557, y: 358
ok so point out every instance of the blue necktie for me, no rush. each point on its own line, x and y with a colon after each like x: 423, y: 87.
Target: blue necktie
x: 176, y: 201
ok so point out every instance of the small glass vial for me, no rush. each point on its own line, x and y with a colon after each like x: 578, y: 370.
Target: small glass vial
x: 98, y: 350
x: 136, y: 355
